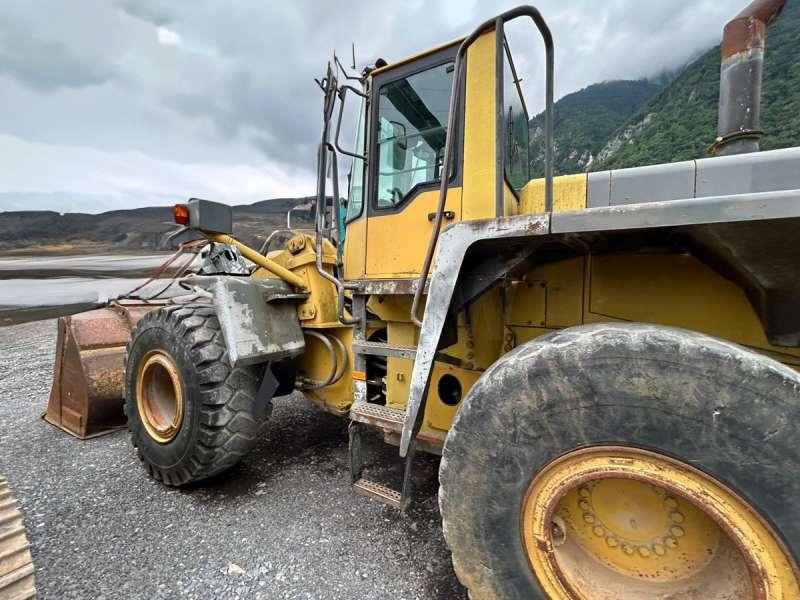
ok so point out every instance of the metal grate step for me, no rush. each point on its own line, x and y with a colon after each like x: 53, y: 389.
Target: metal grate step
x: 399, y: 351
x: 377, y: 491
x: 383, y: 349
x: 378, y: 415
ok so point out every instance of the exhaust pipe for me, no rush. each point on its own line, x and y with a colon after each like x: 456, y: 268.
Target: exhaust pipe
x: 743, y: 43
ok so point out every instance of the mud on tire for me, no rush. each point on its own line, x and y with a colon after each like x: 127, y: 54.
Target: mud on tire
x: 718, y: 406
x: 223, y: 411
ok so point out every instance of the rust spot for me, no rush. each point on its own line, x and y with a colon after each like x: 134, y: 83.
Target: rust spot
x: 748, y: 29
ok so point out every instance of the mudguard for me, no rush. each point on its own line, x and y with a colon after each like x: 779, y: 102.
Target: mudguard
x: 258, y: 317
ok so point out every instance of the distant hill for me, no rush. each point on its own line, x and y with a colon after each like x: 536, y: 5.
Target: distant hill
x: 680, y: 122
x: 132, y: 230
x: 585, y: 120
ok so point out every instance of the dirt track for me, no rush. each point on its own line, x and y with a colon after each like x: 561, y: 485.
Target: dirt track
x: 286, y: 516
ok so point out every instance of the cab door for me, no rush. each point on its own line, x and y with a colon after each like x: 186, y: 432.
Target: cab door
x: 409, y: 123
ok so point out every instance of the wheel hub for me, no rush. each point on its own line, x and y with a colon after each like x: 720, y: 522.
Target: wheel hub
x: 159, y: 396
x: 638, y: 528
x: 628, y: 524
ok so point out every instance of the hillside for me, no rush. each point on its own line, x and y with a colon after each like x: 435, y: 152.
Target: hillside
x: 585, y: 120
x: 130, y: 230
x: 680, y: 122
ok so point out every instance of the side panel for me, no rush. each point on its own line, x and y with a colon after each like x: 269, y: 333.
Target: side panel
x: 569, y: 193
x: 355, y: 244
x: 479, y: 125
x: 677, y: 290
x: 396, y: 242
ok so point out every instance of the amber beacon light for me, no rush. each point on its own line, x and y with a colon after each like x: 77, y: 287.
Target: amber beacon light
x: 180, y: 212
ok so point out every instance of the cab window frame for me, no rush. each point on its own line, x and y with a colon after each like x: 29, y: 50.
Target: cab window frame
x: 362, y: 121
x: 424, y: 63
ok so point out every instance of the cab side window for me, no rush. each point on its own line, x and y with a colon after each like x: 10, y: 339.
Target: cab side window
x: 355, y: 195
x: 515, y: 134
x: 412, y: 126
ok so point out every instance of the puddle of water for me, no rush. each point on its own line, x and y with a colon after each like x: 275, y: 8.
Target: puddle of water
x: 40, y: 288
x: 82, y: 266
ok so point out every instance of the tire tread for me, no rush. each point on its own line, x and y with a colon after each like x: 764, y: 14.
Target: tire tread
x: 228, y: 429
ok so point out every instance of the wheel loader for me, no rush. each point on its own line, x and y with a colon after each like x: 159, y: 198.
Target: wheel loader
x: 607, y: 363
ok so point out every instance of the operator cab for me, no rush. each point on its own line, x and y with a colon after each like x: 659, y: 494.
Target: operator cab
x: 402, y: 129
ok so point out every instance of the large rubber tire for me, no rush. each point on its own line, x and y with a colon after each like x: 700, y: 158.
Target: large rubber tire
x: 223, y: 413
x: 724, y: 409
x: 16, y: 565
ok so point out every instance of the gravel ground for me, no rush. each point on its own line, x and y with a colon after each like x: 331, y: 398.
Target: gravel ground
x: 283, y: 524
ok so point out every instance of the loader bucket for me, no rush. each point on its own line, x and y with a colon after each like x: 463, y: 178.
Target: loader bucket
x: 89, y: 369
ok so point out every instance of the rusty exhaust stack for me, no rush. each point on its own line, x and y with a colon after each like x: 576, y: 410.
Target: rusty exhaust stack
x: 743, y: 44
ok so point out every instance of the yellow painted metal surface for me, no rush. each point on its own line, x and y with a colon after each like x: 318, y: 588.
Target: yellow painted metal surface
x: 320, y: 309
x: 631, y: 519
x: 482, y: 334
x: 398, y: 373
x: 414, y: 57
x: 159, y: 396
x: 479, y: 130
x: 511, y: 203
x: 438, y: 414
x: 396, y: 243
x: 677, y: 290
x: 315, y: 363
x: 527, y: 306
x: 569, y: 193
x: 549, y: 296
x: 355, y: 244
x: 484, y: 323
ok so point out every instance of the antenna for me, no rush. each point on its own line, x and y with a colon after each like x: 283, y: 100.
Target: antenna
x: 353, y: 47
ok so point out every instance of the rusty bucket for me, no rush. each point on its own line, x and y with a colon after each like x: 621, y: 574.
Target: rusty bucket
x: 89, y: 369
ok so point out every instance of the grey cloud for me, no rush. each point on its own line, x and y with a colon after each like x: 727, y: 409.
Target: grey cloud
x: 158, y: 13
x: 235, y: 86
x: 47, y: 65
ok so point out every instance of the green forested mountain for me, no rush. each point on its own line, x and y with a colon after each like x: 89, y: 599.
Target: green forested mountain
x: 619, y: 124
x: 585, y: 120
x: 680, y: 122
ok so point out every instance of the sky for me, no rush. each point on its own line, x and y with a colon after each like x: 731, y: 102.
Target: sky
x: 113, y: 104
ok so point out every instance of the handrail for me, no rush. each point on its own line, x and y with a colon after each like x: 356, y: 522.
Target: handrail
x: 453, y: 113
x: 332, y: 91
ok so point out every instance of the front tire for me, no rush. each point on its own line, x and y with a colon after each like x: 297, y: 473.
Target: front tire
x: 658, y: 462
x: 190, y: 413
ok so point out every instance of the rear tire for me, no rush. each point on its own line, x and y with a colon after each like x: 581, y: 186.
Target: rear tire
x: 725, y: 411
x: 221, y: 412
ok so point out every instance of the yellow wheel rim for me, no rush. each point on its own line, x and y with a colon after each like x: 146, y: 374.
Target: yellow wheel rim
x: 621, y: 523
x: 159, y: 396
